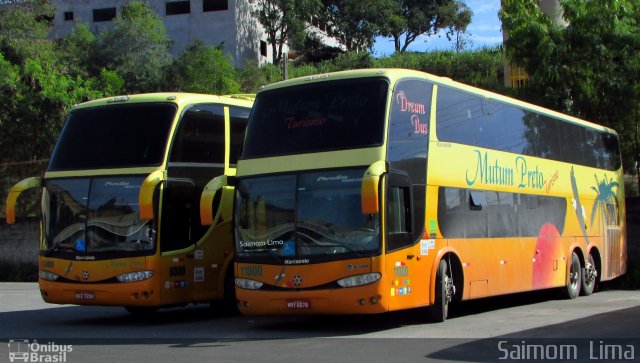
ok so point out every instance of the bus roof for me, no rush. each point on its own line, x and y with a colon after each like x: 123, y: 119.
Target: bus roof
x: 244, y: 100
x: 397, y: 73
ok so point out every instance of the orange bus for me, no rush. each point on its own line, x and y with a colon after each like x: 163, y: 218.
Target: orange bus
x: 120, y: 219
x: 375, y: 190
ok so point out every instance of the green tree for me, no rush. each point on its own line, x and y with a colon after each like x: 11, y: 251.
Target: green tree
x: 38, y: 88
x: 137, y: 49
x: 77, y: 50
x: 281, y: 18
x: 24, y: 26
x: 356, y: 23
x: 588, y: 68
x: 419, y: 17
x: 204, y: 69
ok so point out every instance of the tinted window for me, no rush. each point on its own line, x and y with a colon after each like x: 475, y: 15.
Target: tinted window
x: 310, y: 214
x: 541, y: 134
x: 409, y: 121
x: 114, y: 137
x: 464, y: 213
x: 474, y: 120
x: 572, y: 139
x: 200, y: 137
x: 239, y: 117
x: 317, y: 117
x: 611, y: 153
x: 407, y: 151
x: 455, y: 114
x: 95, y: 215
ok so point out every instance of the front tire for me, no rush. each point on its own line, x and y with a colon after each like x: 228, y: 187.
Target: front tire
x: 439, y: 311
x: 574, y: 278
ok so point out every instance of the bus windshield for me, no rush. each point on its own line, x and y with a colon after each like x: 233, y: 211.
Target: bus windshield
x: 95, y: 215
x: 116, y: 136
x: 314, y: 214
x: 324, y: 116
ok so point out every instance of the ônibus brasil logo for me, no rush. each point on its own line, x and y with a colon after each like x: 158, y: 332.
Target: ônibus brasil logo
x: 23, y: 350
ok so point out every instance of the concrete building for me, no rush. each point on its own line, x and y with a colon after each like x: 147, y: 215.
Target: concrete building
x: 229, y: 22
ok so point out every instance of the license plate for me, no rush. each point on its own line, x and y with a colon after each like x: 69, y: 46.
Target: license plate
x: 85, y: 295
x: 298, y: 304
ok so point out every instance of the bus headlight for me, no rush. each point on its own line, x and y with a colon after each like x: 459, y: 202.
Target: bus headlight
x: 135, y: 276
x: 359, y: 280
x: 248, y: 284
x: 46, y: 275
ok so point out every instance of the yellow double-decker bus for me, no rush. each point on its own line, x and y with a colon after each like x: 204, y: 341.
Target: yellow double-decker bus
x: 120, y: 218
x: 376, y: 190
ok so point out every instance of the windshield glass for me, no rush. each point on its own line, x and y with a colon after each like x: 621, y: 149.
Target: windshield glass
x: 94, y: 215
x: 306, y: 215
x: 324, y: 116
x: 114, y: 136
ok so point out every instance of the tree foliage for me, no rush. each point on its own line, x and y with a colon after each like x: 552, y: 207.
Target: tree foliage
x: 24, y: 26
x: 281, y: 18
x: 418, y: 17
x: 204, y: 69
x: 588, y: 68
x: 356, y: 23
x: 37, y: 89
x: 137, y: 48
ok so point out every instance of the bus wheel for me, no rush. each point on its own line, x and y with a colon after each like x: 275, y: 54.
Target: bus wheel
x: 574, y: 281
x: 141, y: 310
x: 444, y: 293
x: 589, y: 277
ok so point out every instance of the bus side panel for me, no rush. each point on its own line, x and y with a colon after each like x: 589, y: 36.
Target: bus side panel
x: 211, y: 260
x: 408, y: 273
x: 175, y: 276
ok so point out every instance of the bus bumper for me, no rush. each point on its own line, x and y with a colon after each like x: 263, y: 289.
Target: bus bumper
x: 356, y: 300
x: 140, y: 293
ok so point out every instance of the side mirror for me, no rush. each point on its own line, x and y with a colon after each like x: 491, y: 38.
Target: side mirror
x: 147, y: 190
x: 14, y: 193
x: 224, y: 210
x: 370, y: 189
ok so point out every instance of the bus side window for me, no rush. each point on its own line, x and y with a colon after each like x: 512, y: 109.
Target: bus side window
x: 399, y: 216
x: 475, y: 224
x: 200, y: 137
x: 238, y: 124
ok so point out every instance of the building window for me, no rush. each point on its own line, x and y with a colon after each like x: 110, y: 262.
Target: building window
x: 178, y: 7
x: 214, y: 5
x: 68, y: 15
x: 106, y: 14
x: 263, y: 48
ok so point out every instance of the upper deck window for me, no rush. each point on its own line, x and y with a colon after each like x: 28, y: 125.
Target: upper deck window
x: 116, y: 136
x: 325, y: 116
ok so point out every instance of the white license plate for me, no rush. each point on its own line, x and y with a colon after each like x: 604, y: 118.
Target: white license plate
x: 298, y: 304
x: 85, y: 295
